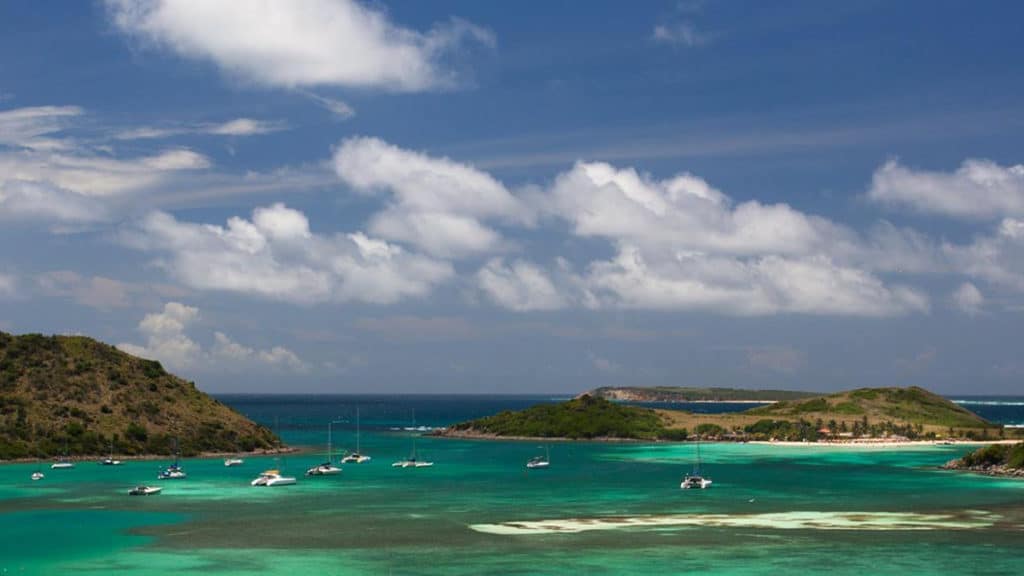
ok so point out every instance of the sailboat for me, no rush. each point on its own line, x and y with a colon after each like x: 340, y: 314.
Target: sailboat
x: 38, y: 474
x: 174, y: 471
x: 412, y: 462
x: 109, y: 461
x: 356, y: 457
x: 540, y: 461
x: 327, y: 468
x: 63, y: 463
x: 695, y: 480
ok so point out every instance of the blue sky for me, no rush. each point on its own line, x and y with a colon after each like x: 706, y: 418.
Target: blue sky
x: 328, y: 195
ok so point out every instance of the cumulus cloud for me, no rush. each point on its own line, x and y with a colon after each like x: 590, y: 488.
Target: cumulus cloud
x: 681, y: 244
x: 302, y: 43
x: 978, y: 189
x: 968, y: 299
x: 435, y: 204
x: 997, y: 257
x: 520, y: 286
x: 276, y: 255
x: 167, y: 341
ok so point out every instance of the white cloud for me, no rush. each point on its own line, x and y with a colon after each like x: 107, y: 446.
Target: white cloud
x: 978, y: 189
x: 8, y: 285
x: 66, y: 182
x: 95, y: 292
x: 275, y: 255
x: 968, y: 299
x: 997, y: 258
x: 521, y: 286
x: 601, y: 363
x: 301, y: 43
x: 680, y: 244
x: 680, y: 33
x: 236, y: 127
x: 436, y: 204
x: 168, y: 342
x: 338, y: 108
x: 24, y: 127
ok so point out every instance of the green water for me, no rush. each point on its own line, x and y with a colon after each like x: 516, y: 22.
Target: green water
x: 477, y: 511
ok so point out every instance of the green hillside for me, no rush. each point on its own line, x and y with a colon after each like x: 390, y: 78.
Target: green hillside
x: 911, y: 405
x: 585, y: 417
x: 75, y: 392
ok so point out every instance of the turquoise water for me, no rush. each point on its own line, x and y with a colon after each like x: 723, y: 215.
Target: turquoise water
x: 600, y: 508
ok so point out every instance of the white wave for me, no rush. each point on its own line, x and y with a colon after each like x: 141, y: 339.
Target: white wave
x: 990, y: 402
x: 873, y: 521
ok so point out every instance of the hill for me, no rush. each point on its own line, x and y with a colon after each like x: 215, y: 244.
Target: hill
x: 586, y: 417
x: 684, y: 394
x: 78, y: 393
x: 913, y: 413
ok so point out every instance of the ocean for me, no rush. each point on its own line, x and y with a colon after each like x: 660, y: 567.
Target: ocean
x: 599, y: 508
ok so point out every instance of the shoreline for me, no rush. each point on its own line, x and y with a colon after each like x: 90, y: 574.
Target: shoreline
x: 152, y: 457
x: 862, y: 443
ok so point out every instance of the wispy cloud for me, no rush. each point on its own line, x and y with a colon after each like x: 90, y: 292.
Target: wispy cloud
x: 238, y: 127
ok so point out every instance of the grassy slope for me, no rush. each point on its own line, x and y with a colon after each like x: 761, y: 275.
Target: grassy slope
x: 686, y: 394
x: 75, y: 390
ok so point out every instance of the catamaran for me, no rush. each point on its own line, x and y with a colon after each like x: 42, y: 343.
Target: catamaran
x: 540, y: 461
x: 356, y: 457
x: 411, y: 461
x: 174, y: 471
x: 695, y: 480
x: 327, y: 468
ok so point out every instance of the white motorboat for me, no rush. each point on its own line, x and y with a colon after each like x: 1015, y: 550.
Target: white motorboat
x: 62, y: 465
x: 229, y: 462
x: 37, y: 475
x: 144, y: 490
x: 272, y: 477
x: 356, y: 457
x: 540, y: 461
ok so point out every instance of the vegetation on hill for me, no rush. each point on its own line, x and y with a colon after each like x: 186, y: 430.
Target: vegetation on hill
x: 585, y: 417
x: 913, y: 405
x: 996, y: 459
x: 73, y: 395
x: 684, y: 394
x: 912, y: 413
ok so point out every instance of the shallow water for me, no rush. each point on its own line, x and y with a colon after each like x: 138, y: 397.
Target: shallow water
x: 600, y: 509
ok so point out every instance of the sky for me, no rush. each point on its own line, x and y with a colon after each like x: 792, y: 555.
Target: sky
x: 343, y: 196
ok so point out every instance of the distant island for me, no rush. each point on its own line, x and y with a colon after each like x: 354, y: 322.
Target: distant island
x: 993, y: 460
x: 75, y: 396
x: 685, y: 394
x: 894, y: 414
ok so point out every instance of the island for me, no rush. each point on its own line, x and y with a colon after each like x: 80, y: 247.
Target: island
x: 76, y: 397
x: 856, y: 416
x: 993, y: 460
x: 677, y: 394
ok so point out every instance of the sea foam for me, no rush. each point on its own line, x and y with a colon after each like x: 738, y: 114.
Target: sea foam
x: 804, y: 520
